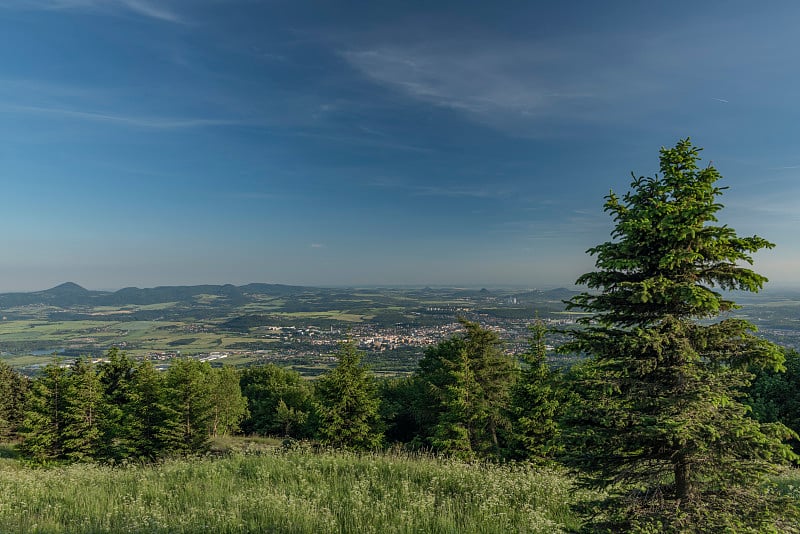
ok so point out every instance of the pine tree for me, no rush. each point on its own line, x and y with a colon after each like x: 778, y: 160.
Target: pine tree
x: 347, y: 403
x: 660, y: 423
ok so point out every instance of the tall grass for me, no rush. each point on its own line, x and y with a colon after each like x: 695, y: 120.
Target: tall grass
x: 287, y: 492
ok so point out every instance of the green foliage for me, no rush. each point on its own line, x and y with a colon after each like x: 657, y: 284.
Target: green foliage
x: 347, y: 403
x: 535, y: 403
x: 82, y: 431
x: 467, y: 382
x: 658, y: 417
x: 399, y: 398
x: 229, y: 407
x: 188, y: 393
x: 115, y: 411
x: 152, y: 420
x: 775, y: 395
x: 266, y: 388
x: 42, y: 428
x: 12, y: 398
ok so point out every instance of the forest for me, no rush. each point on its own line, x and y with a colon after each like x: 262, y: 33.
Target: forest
x: 683, y: 423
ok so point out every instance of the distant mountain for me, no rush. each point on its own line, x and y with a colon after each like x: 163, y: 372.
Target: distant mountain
x: 560, y: 293
x: 67, y: 288
x: 71, y: 294
x: 297, y: 298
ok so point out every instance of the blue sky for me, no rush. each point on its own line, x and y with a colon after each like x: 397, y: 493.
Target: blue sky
x: 339, y: 143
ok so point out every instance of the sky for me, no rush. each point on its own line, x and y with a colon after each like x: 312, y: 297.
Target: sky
x: 175, y: 142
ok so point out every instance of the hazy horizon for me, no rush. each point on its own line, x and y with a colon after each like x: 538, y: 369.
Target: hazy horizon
x: 180, y: 143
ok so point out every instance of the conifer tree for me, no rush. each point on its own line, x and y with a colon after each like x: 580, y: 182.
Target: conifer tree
x: 13, y: 387
x: 156, y: 426
x: 188, y: 393
x: 467, y: 381
x: 461, y: 413
x: 83, y: 409
x: 347, y: 403
x: 535, y: 402
x: 42, y: 428
x: 118, y: 423
x: 660, y: 422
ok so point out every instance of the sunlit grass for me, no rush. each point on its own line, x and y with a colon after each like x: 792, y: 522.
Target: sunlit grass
x: 287, y: 492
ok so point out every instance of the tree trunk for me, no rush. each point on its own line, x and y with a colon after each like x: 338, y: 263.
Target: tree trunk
x: 683, y: 486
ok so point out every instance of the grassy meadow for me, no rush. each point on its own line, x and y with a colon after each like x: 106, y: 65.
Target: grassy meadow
x: 256, y: 486
x: 293, y: 491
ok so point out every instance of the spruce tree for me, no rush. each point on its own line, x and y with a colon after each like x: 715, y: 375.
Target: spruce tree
x: 13, y: 388
x: 660, y: 422
x: 535, y: 402
x: 84, y: 403
x: 155, y: 425
x: 467, y: 382
x: 118, y: 424
x: 461, y: 410
x: 42, y: 428
x: 348, y: 404
x: 188, y: 395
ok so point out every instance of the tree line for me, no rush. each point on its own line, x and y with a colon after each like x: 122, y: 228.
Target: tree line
x: 679, y: 411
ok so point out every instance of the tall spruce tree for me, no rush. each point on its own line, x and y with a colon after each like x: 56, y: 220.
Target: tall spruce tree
x: 659, y: 422
x: 535, y: 402
x: 348, y: 404
x: 119, y: 424
x: 467, y: 382
x: 188, y: 395
x: 42, y: 428
x: 84, y: 408
x: 13, y: 387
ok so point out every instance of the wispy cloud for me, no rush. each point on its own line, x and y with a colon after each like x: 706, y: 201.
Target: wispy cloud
x: 143, y: 8
x: 453, y: 191
x: 317, y: 245
x: 154, y: 122
x: 499, y: 83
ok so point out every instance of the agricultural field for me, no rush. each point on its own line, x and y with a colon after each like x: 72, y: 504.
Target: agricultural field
x: 299, y: 327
